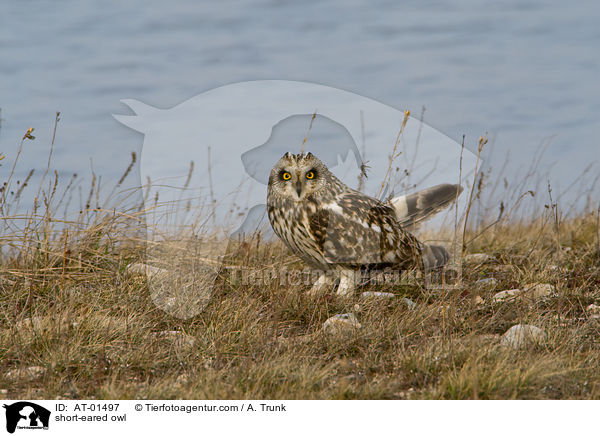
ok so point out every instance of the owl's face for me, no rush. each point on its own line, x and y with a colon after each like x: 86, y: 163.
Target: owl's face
x: 296, y: 176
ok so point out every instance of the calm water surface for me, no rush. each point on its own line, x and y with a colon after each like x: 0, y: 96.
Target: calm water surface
x: 526, y: 72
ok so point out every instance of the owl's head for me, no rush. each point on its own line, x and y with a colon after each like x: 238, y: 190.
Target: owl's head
x: 296, y: 176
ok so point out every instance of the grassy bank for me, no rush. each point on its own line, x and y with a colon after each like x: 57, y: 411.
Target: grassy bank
x: 75, y: 322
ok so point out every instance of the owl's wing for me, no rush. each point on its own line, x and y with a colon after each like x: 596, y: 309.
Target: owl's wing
x: 357, y: 230
x: 415, y: 208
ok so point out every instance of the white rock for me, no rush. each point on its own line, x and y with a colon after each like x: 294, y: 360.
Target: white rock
x: 521, y: 335
x: 408, y: 302
x: 35, y: 322
x: 539, y: 290
x: 593, y: 308
x: 31, y: 373
x: 533, y: 291
x: 182, y: 379
x: 377, y: 295
x: 488, y: 282
x: 342, y: 323
x: 503, y: 268
x: 478, y: 258
x: 208, y: 362
x: 507, y: 295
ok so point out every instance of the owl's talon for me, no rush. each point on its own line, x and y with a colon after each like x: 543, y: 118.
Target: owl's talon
x: 324, y: 283
x: 348, y: 282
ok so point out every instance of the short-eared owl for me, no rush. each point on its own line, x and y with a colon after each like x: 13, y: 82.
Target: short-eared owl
x: 340, y: 231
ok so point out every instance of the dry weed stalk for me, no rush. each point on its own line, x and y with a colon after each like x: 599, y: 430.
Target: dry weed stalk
x: 312, y: 119
x: 394, y: 154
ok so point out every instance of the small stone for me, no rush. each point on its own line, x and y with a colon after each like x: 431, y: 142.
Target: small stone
x: 479, y: 301
x: 3, y: 391
x: 208, y: 362
x: 507, y: 295
x: 377, y: 295
x: 35, y: 323
x: 539, y: 290
x: 521, y: 335
x: 478, y: 258
x: 182, y: 379
x: 408, y: 302
x: 490, y: 282
x: 593, y: 308
x: 533, y: 291
x: 31, y: 373
x: 342, y: 323
x: 503, y: 268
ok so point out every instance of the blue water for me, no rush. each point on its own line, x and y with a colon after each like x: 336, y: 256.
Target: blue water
x: 525, y: 72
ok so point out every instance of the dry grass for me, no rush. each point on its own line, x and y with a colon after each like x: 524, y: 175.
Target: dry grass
x: 74, y: 324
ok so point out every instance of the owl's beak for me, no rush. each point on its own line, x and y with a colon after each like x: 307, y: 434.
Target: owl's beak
x: 298, y: 188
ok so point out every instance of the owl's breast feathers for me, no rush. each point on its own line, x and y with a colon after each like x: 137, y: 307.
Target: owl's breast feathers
x: 291, y: 221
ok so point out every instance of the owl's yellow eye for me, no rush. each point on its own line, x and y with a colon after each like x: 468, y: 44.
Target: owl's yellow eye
x: 310, y: 175
x: 286, y: 176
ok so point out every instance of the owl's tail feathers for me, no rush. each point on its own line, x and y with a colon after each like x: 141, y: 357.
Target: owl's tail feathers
x: 414, y: 208
x: 434, y: 256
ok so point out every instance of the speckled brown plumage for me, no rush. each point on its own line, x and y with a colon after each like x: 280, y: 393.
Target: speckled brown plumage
x: 331, y: 226
x: 341, y: 231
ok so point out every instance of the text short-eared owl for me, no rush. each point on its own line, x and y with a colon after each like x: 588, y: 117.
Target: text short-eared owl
x: 340, y: 231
